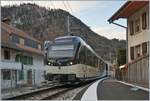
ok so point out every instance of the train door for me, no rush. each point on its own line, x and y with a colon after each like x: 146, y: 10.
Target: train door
x: 82, y: 59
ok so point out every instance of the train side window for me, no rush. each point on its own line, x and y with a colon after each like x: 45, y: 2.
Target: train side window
x: 93, y: 61
x: 82, y: 55
x: 89, y: 58
x: 96, y: 62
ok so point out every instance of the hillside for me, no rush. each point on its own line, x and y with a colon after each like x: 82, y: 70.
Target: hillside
x: 47, y: 24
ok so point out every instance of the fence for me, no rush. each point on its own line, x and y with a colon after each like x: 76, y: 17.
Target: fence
x: 137, y: 72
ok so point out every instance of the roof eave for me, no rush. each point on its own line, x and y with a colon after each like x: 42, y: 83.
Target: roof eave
x: 110, y: 20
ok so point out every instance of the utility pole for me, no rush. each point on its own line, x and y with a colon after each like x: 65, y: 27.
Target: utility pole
x: 68, y: 23
x: 110, y: 57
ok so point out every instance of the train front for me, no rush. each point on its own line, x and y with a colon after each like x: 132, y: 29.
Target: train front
x: 61, y: 60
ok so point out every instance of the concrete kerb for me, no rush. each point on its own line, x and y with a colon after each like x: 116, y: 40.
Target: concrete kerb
x: 132, y: 85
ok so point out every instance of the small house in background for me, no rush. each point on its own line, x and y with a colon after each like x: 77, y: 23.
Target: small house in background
x: 137, y: 15
x: 22, y: 59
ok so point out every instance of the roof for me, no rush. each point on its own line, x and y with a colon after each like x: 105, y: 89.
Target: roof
x: 128, y: 9
x: 22, y: 48
x: 12, y: 30
x: 5, y: 42
x: 29, y: 49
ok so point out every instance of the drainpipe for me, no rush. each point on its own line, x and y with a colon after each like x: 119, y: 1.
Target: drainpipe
x: 126, y: 37
x: 34, y: 78
x: 11, y: 79
x: 119, y: 25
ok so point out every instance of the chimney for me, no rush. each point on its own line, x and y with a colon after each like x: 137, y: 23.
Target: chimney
x: 7, y: 20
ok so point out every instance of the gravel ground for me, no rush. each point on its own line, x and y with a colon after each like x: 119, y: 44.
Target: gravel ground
x: 69, y: 95
x: 5, y: 93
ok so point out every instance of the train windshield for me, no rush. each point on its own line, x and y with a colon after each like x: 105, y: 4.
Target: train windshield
x: 62, y: 47
x: 61, y: 51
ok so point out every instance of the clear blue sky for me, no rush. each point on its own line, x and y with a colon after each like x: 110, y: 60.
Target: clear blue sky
x: 93, y: 13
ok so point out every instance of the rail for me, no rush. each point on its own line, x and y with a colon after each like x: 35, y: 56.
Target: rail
x: 31, y: 94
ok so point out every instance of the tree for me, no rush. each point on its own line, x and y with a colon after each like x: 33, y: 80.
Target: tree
x: 121, y: 60
x: 121, y: 56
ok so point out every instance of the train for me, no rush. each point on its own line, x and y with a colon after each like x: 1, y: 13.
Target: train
x: 71, y: 59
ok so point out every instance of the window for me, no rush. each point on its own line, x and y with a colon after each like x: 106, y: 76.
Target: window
x: 144, y: 21
x: 18, y: 58
x: 137, y: 25
x: 131, y: 28
x: 31, y: 43
x: 132, y: 53
x: 15, y: 39
x: 144, y: 48
x: 7, y: 54
x: 27, y: 60
x: 89, y: 58
x: 62, y: 47
x: 6, y: 74
x: 138, y: 51
x: 30, y: 60
x: 21, y: 75
x: 82, y: 57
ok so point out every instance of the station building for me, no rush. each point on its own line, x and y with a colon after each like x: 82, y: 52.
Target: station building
x: 22, y: 58
x: 137, y: 15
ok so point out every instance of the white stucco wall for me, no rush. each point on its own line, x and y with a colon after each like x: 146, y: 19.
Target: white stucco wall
x: 143, y: 35
x: 11, y: 64
x: 38, y: 67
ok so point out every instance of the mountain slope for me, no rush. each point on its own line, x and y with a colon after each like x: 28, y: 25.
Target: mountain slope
x: 47, y: 24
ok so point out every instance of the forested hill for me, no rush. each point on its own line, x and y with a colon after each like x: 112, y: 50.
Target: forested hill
x: 47, y: 24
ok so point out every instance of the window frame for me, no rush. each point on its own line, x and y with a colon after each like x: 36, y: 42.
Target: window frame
x: 144, y: 21
x: 25, y: 59
x: 131, y: 26
x: 136, y: 23
x: 132, y: 56
x: 144, y: 45
x: 31, y: 43
x: 8, y: 54
x: 21, y: 75
x: 6, y: 76
x: 138, y: 51
x: 15, y: 39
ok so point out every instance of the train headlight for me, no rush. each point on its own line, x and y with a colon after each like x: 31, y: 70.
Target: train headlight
x: 71, y: 63
x: 49, y: 63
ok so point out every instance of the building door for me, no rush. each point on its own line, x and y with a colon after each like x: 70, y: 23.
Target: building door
x: 29, y: 77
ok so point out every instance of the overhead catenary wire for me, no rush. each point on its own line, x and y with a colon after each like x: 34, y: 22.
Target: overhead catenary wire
x: 65, y: 6
x: 52, y: 4
x: 69, y: 6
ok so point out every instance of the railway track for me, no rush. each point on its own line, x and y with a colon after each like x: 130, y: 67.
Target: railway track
x: 61, y: 92
x: 47, y: 93
x: 57, y: 93
x: 36, y: 94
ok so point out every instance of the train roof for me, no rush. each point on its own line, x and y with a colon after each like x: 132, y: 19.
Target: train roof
x: 66, y: 37
x: 82, y: 42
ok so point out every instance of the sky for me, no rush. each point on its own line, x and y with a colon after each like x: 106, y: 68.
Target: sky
x: 93, y: 13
